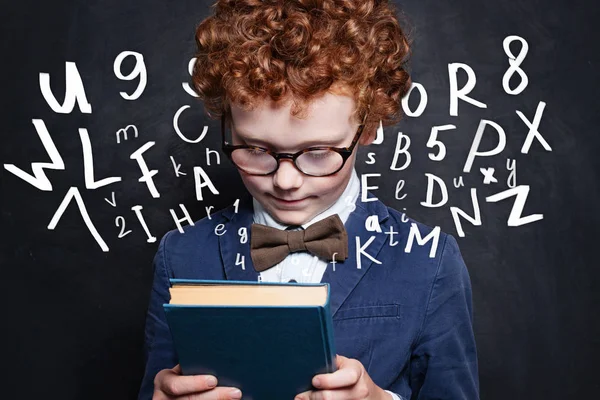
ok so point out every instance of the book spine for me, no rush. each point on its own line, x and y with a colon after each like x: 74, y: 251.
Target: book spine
x: 328, y: 337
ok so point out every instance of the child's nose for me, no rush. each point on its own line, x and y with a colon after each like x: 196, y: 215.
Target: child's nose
x: 287, y: 176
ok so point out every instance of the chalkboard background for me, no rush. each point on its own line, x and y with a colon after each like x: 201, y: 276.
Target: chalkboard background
x: 74, y: 314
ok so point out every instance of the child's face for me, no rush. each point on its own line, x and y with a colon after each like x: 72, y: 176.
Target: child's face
x: 327, y: 124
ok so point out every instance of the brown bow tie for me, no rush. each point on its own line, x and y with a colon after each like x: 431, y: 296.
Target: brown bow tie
x: 269, y: 246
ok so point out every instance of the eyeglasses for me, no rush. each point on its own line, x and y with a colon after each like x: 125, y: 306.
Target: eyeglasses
x: 312, y: 161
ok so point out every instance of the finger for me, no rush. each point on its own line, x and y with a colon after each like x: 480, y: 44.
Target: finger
x: 339, y: 394
x: 174, y: 384
x: 218, y: 393
x: 349, y: 372
x: 303, y: 395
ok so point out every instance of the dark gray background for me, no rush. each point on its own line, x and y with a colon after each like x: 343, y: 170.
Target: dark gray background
x: 74, y: 315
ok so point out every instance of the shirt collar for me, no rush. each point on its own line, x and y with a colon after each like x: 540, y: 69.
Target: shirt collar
x: 343, y: 207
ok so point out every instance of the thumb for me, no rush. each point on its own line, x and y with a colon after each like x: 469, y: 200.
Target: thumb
x: 177, y: 369
x: 340, y: 360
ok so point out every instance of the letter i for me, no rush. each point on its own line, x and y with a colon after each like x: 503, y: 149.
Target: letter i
x: 138, y: 213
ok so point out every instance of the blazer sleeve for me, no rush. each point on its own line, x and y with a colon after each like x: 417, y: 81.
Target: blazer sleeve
x: 443, y: 362
x: 158, y: 346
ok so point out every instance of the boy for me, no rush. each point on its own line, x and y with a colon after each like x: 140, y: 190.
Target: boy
x: 299, y: 85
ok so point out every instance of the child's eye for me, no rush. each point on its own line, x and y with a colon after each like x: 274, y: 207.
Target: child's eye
x: 256, y: 152
x: 319, y: 154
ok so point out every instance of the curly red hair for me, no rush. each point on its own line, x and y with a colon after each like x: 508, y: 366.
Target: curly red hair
x: 297, y: 50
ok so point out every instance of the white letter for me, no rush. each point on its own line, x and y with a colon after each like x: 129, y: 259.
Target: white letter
x: 372, y: 224
x: 475, y: 220
x: 404, y: 217
x: 379, y: 137
x: 138, y: 70
x: 422, y: 103
x: 176, y: 127
x: 399, y: 187
x: 414, y: 233
x: 113, y: 202
x: 488, y: 175
x: 219, y: 230
x: 432, y: 142
x: 391, y: 232
x: 515, y: 219
x: 514, y: 63
x: 365, y: 188
x: 88, y: 163
x: 137, y: 210
x: 349, y: 203
x: 458, y: 183
x: 243, y: 234
x: 360, y: 250
x: 455, y: 94
x: 371, y: 158
x: 146, y: 173
x: 74, y: 90
x: 124, y: 132
x: 208, y: 152
x: 429, y: 197
x: 39, y: 178
x: 400, y: 150
x: 176, y: 167
x: 511, y: 165
x: 240, y: 261
x: 533, y: 129
x: 199, y: 172
x: 121, y: 220
x: 185, y: 218
x: 333, y: 262
x: 186, y: 85
x: 475, y: 145
x: 73, y: 193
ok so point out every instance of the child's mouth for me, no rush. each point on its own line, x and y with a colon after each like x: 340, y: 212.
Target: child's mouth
x: 291, y: 202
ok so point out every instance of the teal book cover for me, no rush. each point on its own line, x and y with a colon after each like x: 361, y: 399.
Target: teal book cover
x: 267, y: 351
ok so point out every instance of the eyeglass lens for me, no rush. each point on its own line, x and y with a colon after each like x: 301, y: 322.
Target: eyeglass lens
x: 313, y: 162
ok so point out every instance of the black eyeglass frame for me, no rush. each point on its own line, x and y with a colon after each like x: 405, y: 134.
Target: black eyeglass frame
x: 345, y: 152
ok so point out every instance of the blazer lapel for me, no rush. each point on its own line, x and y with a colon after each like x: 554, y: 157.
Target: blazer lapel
x: 232, y: 251
x: 347, y: 274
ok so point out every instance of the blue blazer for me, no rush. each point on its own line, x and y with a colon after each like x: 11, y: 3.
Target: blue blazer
x: 408, y: 320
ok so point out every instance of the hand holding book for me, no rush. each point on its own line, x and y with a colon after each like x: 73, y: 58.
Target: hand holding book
x: 350, y: 381
x: 170, y: 384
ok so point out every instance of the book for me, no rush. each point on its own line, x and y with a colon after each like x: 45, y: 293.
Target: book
x: 267, y: 339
